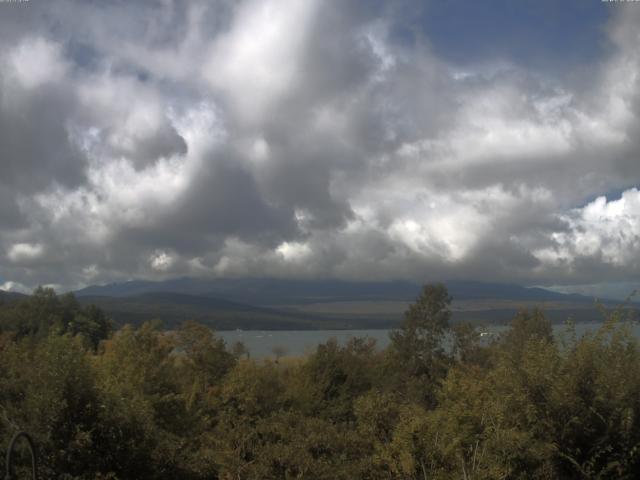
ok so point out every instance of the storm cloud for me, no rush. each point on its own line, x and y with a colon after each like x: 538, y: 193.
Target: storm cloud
x: 283, y: 138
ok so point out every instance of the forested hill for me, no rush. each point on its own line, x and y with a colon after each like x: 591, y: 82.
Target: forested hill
x: 174, y: 308
x: 9, y: 296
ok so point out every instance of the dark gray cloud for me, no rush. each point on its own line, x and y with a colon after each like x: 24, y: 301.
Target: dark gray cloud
x: 263, y: 137
x: 34, y: 143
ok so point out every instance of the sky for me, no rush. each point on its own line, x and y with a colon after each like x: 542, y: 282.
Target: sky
x: 366, y: 140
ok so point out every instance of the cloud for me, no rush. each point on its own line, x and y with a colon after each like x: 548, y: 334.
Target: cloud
x: 14, y: 287
x: 257, y: 61
x: 306, y: 139
x: 36, y: 62
x: 602, y: 235
x: 36, y: 105
x: 25, y: 252
x: 161, y: 261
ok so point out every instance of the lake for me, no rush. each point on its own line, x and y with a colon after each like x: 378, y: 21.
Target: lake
x: 300, y: 342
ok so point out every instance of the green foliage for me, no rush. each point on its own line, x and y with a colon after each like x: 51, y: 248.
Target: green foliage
x: 419, y: 342
x: 206, y: 359
x: 527, y: 326
x: 466, y: 346
x: 417, y: 358
x: 330, y: 380
x: 48, y: 389
x: 144, y: 403
x: 45, y: 313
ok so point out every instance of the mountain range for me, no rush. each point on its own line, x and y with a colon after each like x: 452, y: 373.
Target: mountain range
x: 267, y: 303
x: 266, y: 291
x: 280, y: 304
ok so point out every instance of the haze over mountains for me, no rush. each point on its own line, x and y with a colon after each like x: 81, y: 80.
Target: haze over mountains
x: 266, y: 291
x: 279, y: 304
x: 263, y: 303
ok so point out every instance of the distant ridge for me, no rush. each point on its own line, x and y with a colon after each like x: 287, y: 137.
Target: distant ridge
x: 174, y: 308
x: 277, y: 304
x: 6, y: 296
x: 262, y: 291
x: 467, y: 290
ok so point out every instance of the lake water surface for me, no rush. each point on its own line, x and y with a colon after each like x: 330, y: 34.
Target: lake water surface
x: 298, y: 342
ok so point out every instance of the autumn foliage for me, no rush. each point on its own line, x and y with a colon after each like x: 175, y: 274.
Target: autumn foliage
x: 438, y: 403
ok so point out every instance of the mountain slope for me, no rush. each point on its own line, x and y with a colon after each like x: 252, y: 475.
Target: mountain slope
x: 275, y: 304
x: 175, y: 308
x: 260, y: 291
x: 10, y: 296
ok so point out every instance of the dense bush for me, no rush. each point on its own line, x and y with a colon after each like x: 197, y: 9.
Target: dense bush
x: 148, y: 404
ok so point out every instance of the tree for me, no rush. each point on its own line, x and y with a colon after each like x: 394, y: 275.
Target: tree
x: 48, y: 389
x: 417, y: 347
x: 45, y: 313
x: 466, y: 346
x: 331, y: 379
x: 527, y: 326
x: 207, y: 358
x: 149, y: 432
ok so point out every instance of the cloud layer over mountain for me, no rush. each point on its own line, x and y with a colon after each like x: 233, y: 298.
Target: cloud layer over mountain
x: 334, y: 139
